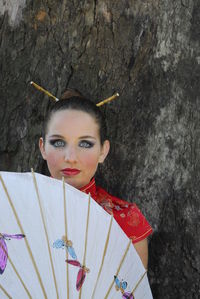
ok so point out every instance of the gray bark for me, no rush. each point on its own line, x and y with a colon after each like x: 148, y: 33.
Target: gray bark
x: 148, y: 51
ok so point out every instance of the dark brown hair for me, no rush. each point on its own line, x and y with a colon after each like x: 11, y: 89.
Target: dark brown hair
x: 73, y: 99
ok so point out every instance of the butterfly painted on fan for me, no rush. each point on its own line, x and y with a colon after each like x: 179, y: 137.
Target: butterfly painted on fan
x: 122, y: 285
x: 81, y: 273
x: 64, y: 243
x: 4, y: 249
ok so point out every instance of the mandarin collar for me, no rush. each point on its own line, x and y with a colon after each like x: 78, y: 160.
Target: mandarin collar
x: 89, y: 188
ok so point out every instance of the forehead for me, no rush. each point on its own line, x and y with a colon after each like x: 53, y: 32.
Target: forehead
x: 72, y: 122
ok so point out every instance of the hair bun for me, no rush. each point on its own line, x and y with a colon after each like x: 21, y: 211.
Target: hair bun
x: 69, y: 93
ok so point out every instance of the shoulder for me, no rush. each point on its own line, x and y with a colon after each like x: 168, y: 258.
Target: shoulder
x: 127, y: 214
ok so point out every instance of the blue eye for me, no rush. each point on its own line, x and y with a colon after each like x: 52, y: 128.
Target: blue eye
x: 86, y: 144
x: 57, y: 143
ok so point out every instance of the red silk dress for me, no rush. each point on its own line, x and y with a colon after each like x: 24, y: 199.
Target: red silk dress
x: 127, y: 215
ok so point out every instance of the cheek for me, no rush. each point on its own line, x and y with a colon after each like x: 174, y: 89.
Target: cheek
x: 90, y: 160
x: 53, y: 159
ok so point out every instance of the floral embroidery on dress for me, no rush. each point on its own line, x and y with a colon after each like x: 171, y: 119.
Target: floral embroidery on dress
x: 122, y: 215
x: 108, y: 206
x: 133, y: 219
x: 118, y: 208
x: 127, y: 215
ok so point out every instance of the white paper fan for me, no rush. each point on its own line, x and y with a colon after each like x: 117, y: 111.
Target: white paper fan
x: 44, y: 210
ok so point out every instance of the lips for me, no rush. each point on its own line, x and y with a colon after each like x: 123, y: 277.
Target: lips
x: 70, y: 171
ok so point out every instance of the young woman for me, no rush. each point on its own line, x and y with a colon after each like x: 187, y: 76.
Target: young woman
x: 74, y: 142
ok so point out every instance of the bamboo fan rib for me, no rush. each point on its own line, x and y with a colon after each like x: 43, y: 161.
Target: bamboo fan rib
x: 27, y: 244
x: 5, y: 292
x: 138, y: 283
x: 66, y: 234
x: 45, y: 229
x: 103, y: 257
x: 86, y: 237
x: 119, y: 267
x: 16, y: 272
x: 19, y: 277
x: 61, y: 244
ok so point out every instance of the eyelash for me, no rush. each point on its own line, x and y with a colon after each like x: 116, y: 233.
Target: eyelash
x: 57, y: 143
x: 60, y: 143
x: 87, y: 144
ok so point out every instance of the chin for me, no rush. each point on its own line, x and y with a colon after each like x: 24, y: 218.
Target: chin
x: 72, y: 183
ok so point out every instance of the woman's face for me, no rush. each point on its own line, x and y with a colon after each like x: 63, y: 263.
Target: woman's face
x: 72, y: 147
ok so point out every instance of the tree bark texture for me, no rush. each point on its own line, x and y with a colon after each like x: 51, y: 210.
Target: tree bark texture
x: 146, y: 50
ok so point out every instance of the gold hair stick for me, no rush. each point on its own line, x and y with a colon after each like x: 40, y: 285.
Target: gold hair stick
x: 107, y: 100
x: 44, y: 90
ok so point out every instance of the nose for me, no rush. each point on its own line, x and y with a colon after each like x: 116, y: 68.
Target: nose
x: 70, y: 154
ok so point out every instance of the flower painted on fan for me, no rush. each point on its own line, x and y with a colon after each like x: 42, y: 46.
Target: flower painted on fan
x: 81, y: 273
x: 64, y: 243
x: 122, y: 285
x: 4, y: 249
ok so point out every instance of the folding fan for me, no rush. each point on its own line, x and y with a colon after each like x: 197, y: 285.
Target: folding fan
x: 57, y: 242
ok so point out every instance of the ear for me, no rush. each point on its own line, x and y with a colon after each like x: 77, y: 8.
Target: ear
x: 104, y: 151
x: 42, y: 148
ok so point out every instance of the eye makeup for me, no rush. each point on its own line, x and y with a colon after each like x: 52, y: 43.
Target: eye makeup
x: 86, y: 143
x: 57, y: 142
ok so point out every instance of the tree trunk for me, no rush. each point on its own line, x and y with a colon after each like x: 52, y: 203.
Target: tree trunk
x: 148, y: 51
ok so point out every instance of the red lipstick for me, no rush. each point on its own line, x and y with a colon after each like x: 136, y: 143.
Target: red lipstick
x: 70, y: 171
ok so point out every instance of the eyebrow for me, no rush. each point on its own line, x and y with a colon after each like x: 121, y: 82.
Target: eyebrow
x: 56, y: 136
x: 81, y: 137
x: 87, y: 136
